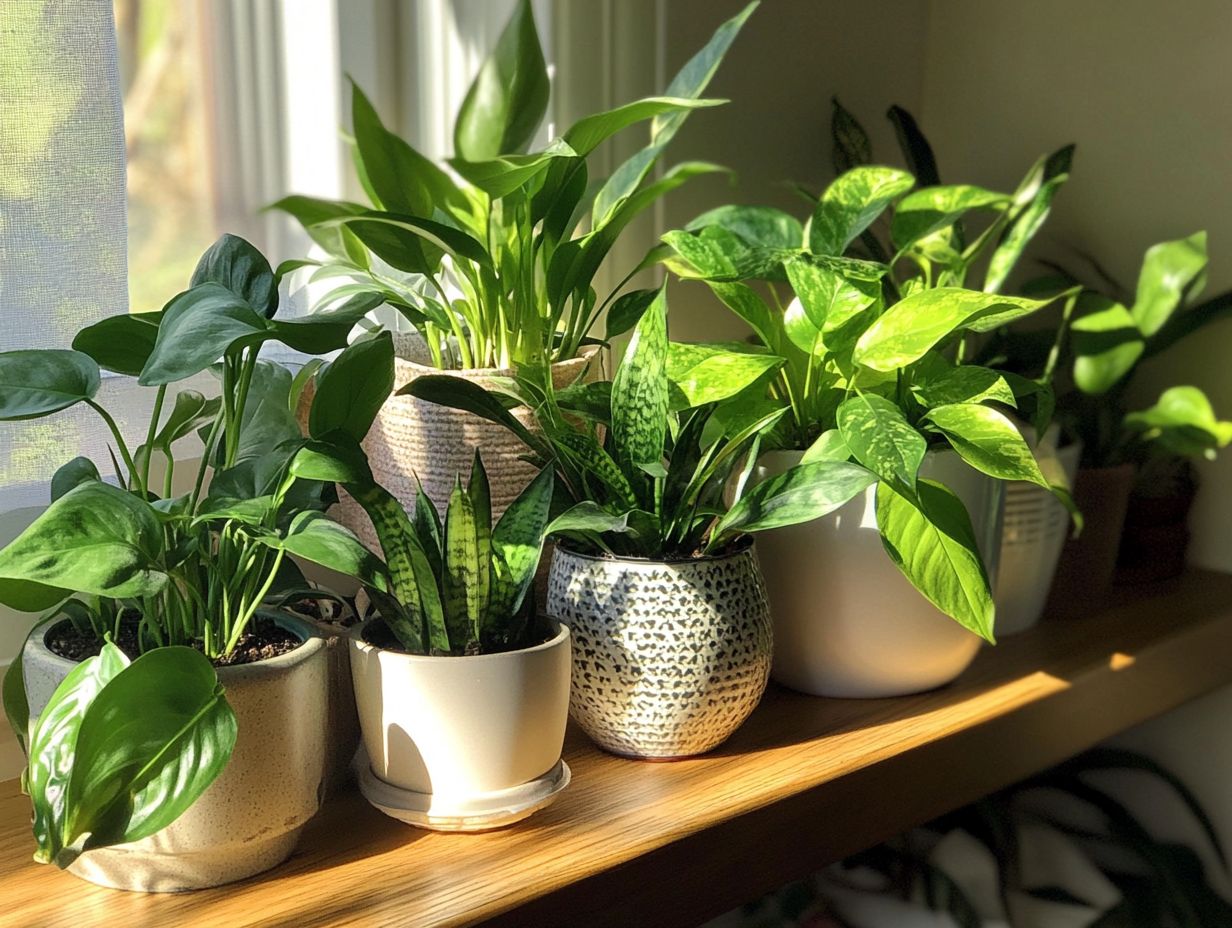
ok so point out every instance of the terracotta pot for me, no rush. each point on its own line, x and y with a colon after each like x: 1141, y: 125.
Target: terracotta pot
x: 249, y: 819
x: 847, y: 623
x: 1155, y: 539
x: 1088, y: 562
x: 669, y: 658
x: 452, y: 739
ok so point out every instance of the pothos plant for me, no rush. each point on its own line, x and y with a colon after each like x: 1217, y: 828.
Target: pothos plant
x: 128, y: 741
x: 493, y: 260
x: 875, y: 353
x: 644, y: 465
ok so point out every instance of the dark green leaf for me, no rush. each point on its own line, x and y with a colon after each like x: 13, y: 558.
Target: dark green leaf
x: 326, y: 329
x: 190, y: 412
x: 120, y: 343
x: 517, y: 541
x: 36, y: 383
x: 916, y: 150
x: 624, y: 313
x: 77, y: 471
x: 499, y: 177
x: 803, y: 493
x: 352, y: 388
x: 755, y: 225
x: 198, y: 327
x: 315, y: 537
x: 457, y: 393
x: 236, y: 265
x: 849, y: 145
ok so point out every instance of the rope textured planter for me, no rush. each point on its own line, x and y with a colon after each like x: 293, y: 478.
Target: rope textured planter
x: 669, y: 658
x: 412, y: 437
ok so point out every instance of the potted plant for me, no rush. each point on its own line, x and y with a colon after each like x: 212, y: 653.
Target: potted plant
x: 1099, y: 342
x: 1035, y: 523
x: 492, y: 262
x: 462, y: 690
x: 174, y: 725
x: 875, y: 370
x: 655, y: 572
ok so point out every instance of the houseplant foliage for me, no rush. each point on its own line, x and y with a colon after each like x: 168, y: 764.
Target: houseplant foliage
x: 875, y: 353
x: 493, y: 260
x: 129, y: 741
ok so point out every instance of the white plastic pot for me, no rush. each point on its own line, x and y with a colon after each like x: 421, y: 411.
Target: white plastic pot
x: 249, y: 819
x: 669, y: 657
x: 847, y: 623
x: 461, y: 743
x: 1034, y: 532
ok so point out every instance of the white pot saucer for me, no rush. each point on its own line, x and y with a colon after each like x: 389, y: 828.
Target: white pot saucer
x: 479, y: 812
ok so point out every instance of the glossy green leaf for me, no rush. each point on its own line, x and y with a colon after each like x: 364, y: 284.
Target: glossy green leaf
x: 830, y: 298
x: 829, y: 446
x: 352, y: 388
x: 517, y: 542
x: 266, y: 420
x: 582, y: 454
x: 336, y: 461
x: 849, y: 144
x: 53, y: 744
x: 95, y: 539
x: 881, y: 438
x: 700, y: 374
x: 36, y: 383
x: 588, y: 517
x: 509, y: 96
x: 315, y: 537
x: 27, y: 596
x: 988, y: 441
x: 626, y: 310
x: 755, y: 225
x: 236, y: 265
x: 1184, y: 422
x: 591, y: 131
x: 801, y: 330
x: 457, y: 393
x: 852, y: 203
x: 499, y: 177
x: 1168, y: 270
x: 198, y: 327
x: 325, y: 329
x: 319, y: 219
x: 966, y: 383
x: 930, y: 539
x: 801, y: 494
x: 460, y: 579
x: 77, y: 471
x: 400, y: 240
x: 916, y: 323
x: 1024, y: 228
x: 640, y: 392
x: 715, y: 253
x: 745, y: 303
x: 120, y: 343
x: 931, y: 209
x: 190, y: 411
x: 1107, y: 344
x: 150, y: 743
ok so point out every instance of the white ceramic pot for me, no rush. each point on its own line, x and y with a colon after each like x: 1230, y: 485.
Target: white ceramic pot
x: 1033, y: 534
x: 669, y: 658
x: 249, y: 819
x: 847, y: 623
x: 458, y: 736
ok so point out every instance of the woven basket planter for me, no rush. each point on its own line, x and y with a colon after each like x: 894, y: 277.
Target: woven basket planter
x: 412, y: 437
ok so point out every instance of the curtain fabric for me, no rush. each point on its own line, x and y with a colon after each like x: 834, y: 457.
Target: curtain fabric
x: 63, y: 228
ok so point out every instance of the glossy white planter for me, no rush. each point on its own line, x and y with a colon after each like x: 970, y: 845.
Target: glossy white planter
x: 450, y: 731
x: 249, y: 819
x: 1033, y: 534
x: 847, y: 623
x: 669, y: 658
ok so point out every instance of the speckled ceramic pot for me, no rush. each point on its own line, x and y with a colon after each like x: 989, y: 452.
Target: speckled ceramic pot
x: 249, y: 819
x: 669, y: 658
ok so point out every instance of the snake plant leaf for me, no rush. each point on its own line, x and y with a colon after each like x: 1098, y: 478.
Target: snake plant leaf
x: 190, y: 411
x: 1183, y: 421
x: 77, y: 471
x: 403, y: 180
x: 852, y: 203
x: 966, y: 383
x: 1106, y: 342
x: 931, y: 209
x: 849, y: 144
x: 352, y: 388
x: 499, y: 177
x: 480, y: 493
x: 582, y: 456
x: 95, y: 539
x: 913, y: 325
x: 238, y: 266
x: 881, y: 438
x: 315, y: 537
x: 507, y: 100
x: 457, y: 393
x: 700, y: 374
x: 829, y: 446
x: 589, y: 132
x: 37, y: 382
x: 198, y: 327
x: 988, y: 441
x: 428, y: 529
x: 689, y: 83
x: 53, y: 745
x: 930, y: 539
x: 801, y: 494
x: 517, y: 542
x: 626, y: 310
x: 915, y: 148
x: 1169, y: 269
x: 120, y: 343
x: 151, y: 741
x: 460, y: 575
x: 756, y: 225
x: 640, y: 392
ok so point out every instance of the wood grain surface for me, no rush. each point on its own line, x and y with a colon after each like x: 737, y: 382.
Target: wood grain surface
x: 639, y: 845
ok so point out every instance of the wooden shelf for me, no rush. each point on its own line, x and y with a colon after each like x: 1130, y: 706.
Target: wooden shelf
x: 804, y: 782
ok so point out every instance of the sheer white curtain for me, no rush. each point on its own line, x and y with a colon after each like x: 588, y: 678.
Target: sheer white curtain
x: 62, y: 212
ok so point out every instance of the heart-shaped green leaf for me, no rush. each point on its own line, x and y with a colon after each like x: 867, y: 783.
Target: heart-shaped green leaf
x: 852, y: 203
x: 236, y: 264
x: 352, y: 388
x: 36, y: 383
x: 881, y: 438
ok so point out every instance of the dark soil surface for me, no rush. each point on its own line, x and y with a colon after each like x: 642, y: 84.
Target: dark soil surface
x: 263, y: 640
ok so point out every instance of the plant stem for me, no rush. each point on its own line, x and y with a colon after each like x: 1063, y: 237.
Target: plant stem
x: 120, y: 443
